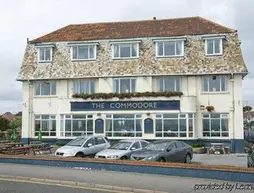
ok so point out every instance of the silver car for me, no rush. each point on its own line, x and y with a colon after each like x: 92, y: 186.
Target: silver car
x: 83, y: 146
x: 122, y: 149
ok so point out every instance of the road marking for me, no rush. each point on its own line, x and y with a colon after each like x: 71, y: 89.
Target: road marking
x: 62, y: 185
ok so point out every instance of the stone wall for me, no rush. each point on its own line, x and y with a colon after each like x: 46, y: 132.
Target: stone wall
x: 194, y: 61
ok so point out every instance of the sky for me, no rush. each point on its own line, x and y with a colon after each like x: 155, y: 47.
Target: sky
x: 22, y: 19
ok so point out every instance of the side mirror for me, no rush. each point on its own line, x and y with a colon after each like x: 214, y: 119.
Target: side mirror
x: 133, y: 148
x: 89, y: 145
x: 168, y: 150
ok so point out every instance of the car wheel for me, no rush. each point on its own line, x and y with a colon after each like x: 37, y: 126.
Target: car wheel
x: 124, y: 158
x: 79, y: 154
x: 161, y: 159
x: 187, y: 159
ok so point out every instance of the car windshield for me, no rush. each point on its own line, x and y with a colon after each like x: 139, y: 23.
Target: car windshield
x: 121, y: 145
x: 77, y: 142
x: 156, y: 146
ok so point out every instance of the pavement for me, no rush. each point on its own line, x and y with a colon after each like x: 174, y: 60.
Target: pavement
x: 228, y: 159
x: 133, y: 181
x: 25, y: 187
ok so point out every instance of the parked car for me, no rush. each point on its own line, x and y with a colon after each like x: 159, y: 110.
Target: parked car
x: 165, y: 151
x: 83, y: 146
x: 122, y: 149
x: 250, y: 157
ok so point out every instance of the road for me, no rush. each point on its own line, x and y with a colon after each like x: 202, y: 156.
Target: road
x: 123, y: 179
x: 24, y: 187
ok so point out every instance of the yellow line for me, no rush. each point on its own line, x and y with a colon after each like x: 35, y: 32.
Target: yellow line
x: 62, y: 185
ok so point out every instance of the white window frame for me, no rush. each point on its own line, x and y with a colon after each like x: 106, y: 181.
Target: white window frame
x: 208, y: 86
x: 119, y: 85
x: 80, y: 81
x: 165, y: 41
x: 158, y: 84
x: 124, y: 43
x: 38, y: 54
x: 221, y: 46
x: 40, y: 83
x: 51, y: 118
x: 81, y: 45
x: 223, y: 116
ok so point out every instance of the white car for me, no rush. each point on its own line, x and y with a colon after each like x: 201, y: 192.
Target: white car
x: 122, y: 149
x: 83, y: 146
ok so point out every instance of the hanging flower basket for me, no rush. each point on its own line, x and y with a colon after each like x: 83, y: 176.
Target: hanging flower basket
x: 210, y: 108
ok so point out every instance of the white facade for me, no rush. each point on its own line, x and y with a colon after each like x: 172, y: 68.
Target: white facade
x: 228, y: 102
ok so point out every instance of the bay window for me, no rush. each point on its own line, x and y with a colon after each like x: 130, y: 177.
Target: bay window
x: 46, y: 124
x: 174, y: 125
x: 123, y: 125
x: 45, y: 88
x: 76, y: 125
x: 125, y: 50
x: 214, y: 83
x: 215, y: 125
x: 84, y: 86
x: 124, y: 85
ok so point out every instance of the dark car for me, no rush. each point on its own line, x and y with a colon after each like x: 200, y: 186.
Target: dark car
x: 250, y: 157
x: 165, y: 151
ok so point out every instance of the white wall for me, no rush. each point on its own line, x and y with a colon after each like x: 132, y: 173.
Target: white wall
x: 190, y: 102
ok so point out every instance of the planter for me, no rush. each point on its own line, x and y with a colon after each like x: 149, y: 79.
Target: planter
x: 199, y: 150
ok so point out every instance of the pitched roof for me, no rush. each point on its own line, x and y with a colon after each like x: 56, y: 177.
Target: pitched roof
x: 131, y: 29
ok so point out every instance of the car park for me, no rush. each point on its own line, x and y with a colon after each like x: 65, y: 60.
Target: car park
x: 83, y: 146
x: 165, y: 151
x: 122, y: 149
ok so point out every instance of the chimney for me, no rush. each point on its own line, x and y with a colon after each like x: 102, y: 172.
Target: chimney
x: 154, y: 18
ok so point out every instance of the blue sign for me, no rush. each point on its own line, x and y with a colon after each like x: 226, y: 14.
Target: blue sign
x: 125, y: 105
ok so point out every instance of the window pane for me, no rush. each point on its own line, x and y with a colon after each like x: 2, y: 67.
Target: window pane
x: 90, y: 126
x: 206, y: 126
x: 224, y: 125
x: 214, y: 84
x: 116, y: 51
x: 161, y: 84
x: 217, y: 46
x: 83, y: 52
x: 77, y: 87
x: 171, y: 115
x: 215, y: 125
x: 74, y: 52
x: 91, y: 49
x: 183, y: 126
x: 160, y: 48
x: 84, y: 87
x: 205, y: 83
x: 125, y: 85
x: 169, y: 84
x: 109, y: 128
x: 134, y: 50
x: 53, y: 88
x: 125, y: 50
x: 171, y: 128
x: 92, y: 87
x: 169, y: 48
x: 42, y: 56
x: 48, y: 54
x: 45, y: 88
x: 223, y: 83
x: 116, y: 86
x: 178, y: 86
x: 158, y: 128
x: 37, y: 88
x: 179, y: 45
x: 210, y: 47
x: 133, y: 85
x: 215, y: 115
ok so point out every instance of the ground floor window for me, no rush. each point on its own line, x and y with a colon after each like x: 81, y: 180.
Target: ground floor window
x: 123, y: 125
x: 76, y: 125
x: 215, y: 125
x: 174, y: 125
x: 46, y: 124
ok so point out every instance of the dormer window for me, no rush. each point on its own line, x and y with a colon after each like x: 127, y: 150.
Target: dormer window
x: 83, y: 52
x: 213, y: 46
x: 45, y: 54
x: 125, y: 50
x: 169, y: 48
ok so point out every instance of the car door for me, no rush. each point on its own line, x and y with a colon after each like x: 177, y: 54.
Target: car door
x: 144, y: 144
x: 170, y: 152
x: 101, y: 144
x: 180, y: 151
x: 89, y: 147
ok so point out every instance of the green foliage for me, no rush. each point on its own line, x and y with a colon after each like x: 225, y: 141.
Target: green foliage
x: 247, y: 108
x: 4, y: 124
x: 126, y: 95
x: 195, y: 145
x: 16, y: 123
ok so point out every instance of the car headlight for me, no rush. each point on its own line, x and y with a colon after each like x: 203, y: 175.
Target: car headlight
x: 112, y: 157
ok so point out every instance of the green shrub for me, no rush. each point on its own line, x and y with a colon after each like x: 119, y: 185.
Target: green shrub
x: 195, y: 145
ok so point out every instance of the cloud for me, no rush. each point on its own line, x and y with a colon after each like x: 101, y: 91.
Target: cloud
x: 33, y: 18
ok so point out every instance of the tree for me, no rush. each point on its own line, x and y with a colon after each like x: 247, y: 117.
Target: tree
x: 4, y: 126
x: 247, y: 108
